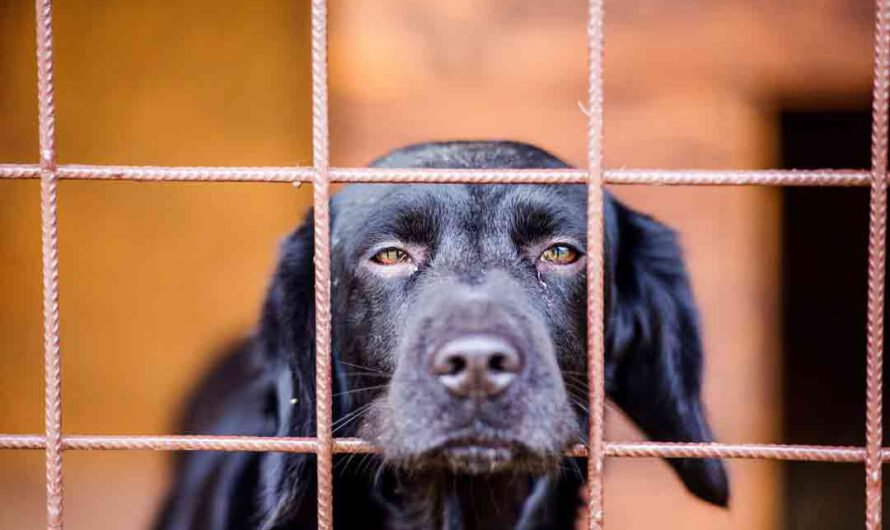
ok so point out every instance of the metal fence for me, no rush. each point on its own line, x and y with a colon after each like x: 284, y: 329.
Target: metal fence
x: 321, y: 175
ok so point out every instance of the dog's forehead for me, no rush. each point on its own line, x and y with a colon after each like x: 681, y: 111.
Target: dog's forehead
x: 361, y: 206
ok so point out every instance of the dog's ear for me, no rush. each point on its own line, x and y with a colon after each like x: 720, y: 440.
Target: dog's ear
x: 264, y: 388
x: 654, y: 343
x: 286, y: 334
x: 286, y: 337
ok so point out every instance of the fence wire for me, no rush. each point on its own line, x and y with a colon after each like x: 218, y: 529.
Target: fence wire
x: 321, y: 175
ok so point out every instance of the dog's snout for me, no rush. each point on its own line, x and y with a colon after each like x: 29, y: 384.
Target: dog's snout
x: 477, y: 366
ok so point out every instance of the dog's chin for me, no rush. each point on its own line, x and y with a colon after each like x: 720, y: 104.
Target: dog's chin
x: 479, y: 456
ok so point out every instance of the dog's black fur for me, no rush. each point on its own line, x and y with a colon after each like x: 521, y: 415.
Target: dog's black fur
x: 475, y: 267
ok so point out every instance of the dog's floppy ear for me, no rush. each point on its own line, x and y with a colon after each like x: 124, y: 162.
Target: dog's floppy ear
x: 654, y: 340
x: 286, y: 337
x: 286, y: 334
x: 264, y: 387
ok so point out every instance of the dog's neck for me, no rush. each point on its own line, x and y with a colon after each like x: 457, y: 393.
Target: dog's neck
x: 461, y: 502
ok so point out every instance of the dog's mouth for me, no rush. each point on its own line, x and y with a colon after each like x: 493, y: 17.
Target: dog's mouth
x: 482, y: 455
x: 476, y: 455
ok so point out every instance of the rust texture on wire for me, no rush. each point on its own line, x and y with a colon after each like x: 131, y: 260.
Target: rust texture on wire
x: 322, y: 258
x: 801, y: 453
x: 595, y: 269
x: 50, y: 247
x: 664, y: 177
x: 876, y: 268
x: 321, y: 175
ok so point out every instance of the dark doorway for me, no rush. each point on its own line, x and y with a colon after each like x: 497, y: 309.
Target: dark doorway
x: 825, y: 240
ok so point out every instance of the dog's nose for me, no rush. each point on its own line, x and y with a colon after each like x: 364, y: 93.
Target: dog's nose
x: 478, y: 366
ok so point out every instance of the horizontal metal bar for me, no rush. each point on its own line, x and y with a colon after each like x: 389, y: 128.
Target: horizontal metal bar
x: 801, y: 453
x: 457, y: 176
x: 765, y: 177
x: 165, y: 443
x: 808, y: 453
x: 189, y: 174
x: 19, y: 171
x: 680, y: 177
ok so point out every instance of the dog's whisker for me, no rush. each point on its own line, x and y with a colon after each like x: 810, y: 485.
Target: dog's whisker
x: 571, y: 466
x: 367, y: 374
x: 344, y: 463
x: 575, y: 379
x: 344, y: 424
x: 361, y: 460
x: 346, y: 420
x: 355, y: 390
x: 578, y: 393
x: 581, y: 390
x: 365, y: 465
x: 580, y: 405
x: 577, y: 382
x: 361, y: 367
x: 352, y: 413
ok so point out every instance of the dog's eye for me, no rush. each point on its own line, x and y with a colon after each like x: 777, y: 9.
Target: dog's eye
x: 560, y: 254
x: 391, y: 256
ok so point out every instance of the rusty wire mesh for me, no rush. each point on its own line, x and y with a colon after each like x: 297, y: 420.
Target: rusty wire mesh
x: 321, y: 175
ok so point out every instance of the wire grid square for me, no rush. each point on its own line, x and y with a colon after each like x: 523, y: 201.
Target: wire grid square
x: 321, y: 175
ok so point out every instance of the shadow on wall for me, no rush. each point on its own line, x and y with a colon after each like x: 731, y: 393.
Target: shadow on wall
x: 825, y: 261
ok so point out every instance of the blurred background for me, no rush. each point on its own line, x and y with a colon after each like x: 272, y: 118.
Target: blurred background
x: 155, y: 278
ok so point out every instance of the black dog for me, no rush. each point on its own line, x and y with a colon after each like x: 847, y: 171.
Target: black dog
x: 459, y: 348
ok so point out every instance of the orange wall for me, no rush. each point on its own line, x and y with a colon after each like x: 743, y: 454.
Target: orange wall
x: 154, y: 277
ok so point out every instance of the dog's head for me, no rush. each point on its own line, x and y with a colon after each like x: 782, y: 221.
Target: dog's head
x: 460, y: 321
x: 472, y: 298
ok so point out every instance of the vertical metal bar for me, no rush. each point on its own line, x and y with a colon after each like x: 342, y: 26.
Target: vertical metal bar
x: 876, y: 267
x: 321, y: 196
x: 50, y: 242
x: 595, y: 266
